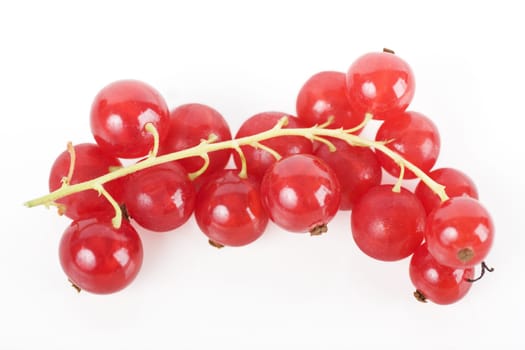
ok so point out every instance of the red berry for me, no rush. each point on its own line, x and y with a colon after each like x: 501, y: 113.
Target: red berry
x: 380, y: 83
x: 387, y: 225
x: 435, y: 282
x: 229, y: 210
x: 90, y: 162
x: 98, y: 258
x: 414, y: 137
x: 120, y: 113
x: 460, y: 232
x: 258, y: 160
x: 189, y: 125
x: 456, y: 184
x: 301, y: 193
x: 160, y: 198
x: 357, y: 169
x: 324, y: 96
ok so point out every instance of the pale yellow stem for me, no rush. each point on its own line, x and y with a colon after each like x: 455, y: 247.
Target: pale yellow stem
x: 276, y: 155
x: 153, y: 131
x: 368, y: 117
x: 72, y: 160
x: 203, y: 168
x: 117, y: 219
x: 399, y: 182
x: 330, y: 145
x: 276, y: 131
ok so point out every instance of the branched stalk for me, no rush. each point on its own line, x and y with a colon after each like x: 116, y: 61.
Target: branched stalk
x: 316, y: 133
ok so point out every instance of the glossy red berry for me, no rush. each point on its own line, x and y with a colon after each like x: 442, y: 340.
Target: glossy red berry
x: 229, y: 210
x: 301, y: 193
x: 189, y: 125
x: 120, y: 113
x: 90, y: 162
x: 414, y: 137
x: 380, y: 83
x: 436, y: 282
x: 357, y: 169
x: 456, y: 183
x: 324, y: 96
x: 387, y: 225
x: 160, y: 198
x: 257, y: 159
x: 460, y: 232
x: 99, y: 258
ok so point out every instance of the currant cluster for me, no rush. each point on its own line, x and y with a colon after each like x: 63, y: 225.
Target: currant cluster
x: 297, y: 171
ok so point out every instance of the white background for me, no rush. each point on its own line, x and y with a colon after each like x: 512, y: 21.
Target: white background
x: 285, y: 290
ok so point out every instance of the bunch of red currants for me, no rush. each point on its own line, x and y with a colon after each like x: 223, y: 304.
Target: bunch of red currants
x: 296, y: 171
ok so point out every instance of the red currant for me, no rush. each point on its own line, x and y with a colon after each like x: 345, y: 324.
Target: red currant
x: 90, y: 162
x: 456, y: 184
x: 357, y: 169
x: 387, y: 225
x: 189, y: 125
x: 301, y: 193
x: 160, y: 198
x: 414, y: 137
x: 120, y: 113
x: 257, y: 159
x: 435, y: 282
x: 324, y: 96
x: 98, y: 258
x: 229, y: 209
x: 380, y: 83
x: 459, y: 232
